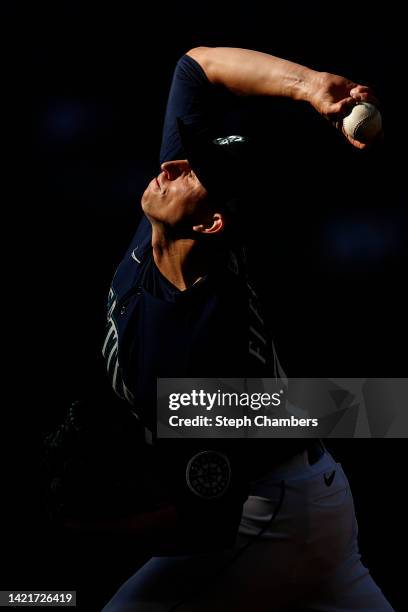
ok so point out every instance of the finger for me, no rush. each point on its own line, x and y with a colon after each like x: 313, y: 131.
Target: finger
x: 362, y: 93
x: 356, y: 143
x: 359, y: 89
x: 378, y: 140
x: 367, y: 97
x: 340, y: 110
x: 346, y: 105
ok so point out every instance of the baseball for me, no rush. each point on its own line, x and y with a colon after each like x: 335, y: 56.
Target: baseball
x: 363, y: 123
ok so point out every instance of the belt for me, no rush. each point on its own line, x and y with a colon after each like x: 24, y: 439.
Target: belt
x: 315, y: 450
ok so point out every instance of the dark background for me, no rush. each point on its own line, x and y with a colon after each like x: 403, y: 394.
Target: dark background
x: 329, y: 240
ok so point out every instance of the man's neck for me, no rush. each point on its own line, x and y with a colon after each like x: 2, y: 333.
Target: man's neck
x: 182, y: 261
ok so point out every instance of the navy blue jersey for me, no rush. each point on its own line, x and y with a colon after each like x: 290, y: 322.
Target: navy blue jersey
x: 212, y: 329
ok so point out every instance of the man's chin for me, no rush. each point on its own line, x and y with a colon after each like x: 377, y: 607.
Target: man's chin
x: 148, y: 209
x: 146, y: 205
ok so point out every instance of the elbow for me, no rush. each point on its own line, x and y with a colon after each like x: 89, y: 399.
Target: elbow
x: 198, y: 52
x: 203, y: 56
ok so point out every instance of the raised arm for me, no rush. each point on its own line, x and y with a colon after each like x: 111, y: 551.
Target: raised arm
x: 247, y: 72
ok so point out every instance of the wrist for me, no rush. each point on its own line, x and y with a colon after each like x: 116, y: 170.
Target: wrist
x: 304, y: 85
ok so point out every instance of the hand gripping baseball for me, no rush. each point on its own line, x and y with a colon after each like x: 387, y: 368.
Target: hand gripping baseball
x: 351, y: 108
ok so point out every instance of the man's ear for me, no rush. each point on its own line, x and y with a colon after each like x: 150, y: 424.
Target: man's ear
x: 214, y: 225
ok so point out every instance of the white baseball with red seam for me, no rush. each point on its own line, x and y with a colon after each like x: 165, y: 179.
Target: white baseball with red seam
x: 363, y: 123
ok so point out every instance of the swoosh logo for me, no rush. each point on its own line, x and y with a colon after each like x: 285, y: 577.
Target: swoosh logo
x: 134, y: 256
x: 328, y: 478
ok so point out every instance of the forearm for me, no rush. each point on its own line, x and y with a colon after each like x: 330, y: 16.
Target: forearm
x: 248, y: 72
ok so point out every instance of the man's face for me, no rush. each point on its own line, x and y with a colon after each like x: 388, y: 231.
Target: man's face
x: 174, y: 196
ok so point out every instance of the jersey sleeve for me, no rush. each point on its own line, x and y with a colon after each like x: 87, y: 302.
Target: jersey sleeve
x: 192, y: 98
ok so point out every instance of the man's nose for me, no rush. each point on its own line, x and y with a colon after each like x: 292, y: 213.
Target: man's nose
x: 171, y: 170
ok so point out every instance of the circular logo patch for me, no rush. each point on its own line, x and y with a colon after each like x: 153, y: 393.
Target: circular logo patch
x: 208, y: 474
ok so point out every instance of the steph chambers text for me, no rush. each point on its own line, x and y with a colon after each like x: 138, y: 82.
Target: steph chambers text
x: 240, y: 422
